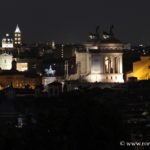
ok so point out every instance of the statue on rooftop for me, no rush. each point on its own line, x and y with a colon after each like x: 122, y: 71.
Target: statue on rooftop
x: 111, y: 30
x: 94, y: 36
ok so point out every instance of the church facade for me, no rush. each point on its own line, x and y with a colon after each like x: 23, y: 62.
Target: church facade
x: 7, y: 42
x: 6, y: 61
x: 10, y: 43
x: 101, y: 60
x: 6, y: 51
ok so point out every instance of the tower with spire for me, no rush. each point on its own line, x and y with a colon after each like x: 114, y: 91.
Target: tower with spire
x: 17, y: 36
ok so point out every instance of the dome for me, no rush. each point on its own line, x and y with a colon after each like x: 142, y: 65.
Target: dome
x: 7, y: 38
x: 7, y: 41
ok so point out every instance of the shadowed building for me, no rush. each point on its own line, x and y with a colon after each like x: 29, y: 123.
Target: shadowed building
x: 54, y: 89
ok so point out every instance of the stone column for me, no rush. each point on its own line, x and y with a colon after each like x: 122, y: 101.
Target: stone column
x: 118, y: 64
x: 108, y: 65
x: 121, y: 65
x: 104, y: 70
x: 111, y: 65
x: 114, y: 65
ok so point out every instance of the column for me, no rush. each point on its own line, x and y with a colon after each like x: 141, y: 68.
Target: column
x: 114, y: 65
x: 121, y: 65
x: 109, y: 64
x: 100, y: 64
x: 118, y: 64
x: 104, y: 70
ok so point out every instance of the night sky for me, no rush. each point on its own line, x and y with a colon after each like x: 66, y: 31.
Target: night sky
x: 72, y: 20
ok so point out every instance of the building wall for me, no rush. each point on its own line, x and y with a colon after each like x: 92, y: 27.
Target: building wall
x: 96, y: 64
x: 22, y: 67
x: 111, y: 78
x: 48, y: 80
x: 92, y: 66
x: 141, y: 69
x: 82, y: 62
x: 7, y: 45
x: 6, y: 61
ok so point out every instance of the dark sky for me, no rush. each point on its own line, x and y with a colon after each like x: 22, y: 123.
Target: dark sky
x: 72, y: 20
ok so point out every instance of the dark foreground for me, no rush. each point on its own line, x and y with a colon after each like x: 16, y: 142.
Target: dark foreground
x: 90, y: 119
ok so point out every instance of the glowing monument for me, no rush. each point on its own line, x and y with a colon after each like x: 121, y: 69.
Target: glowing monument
x: 101, y: 60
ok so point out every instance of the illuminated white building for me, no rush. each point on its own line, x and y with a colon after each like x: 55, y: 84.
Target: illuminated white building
x: 7, y: 42
x: 6, y: 61
x: 22, y: 66
x: 101, y: 60
x: 17, y: 36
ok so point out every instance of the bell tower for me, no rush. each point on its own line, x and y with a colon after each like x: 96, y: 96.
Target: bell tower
x: 17, y: 36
